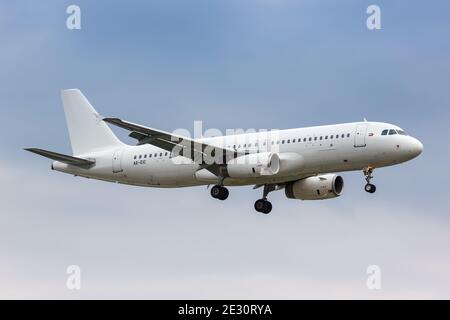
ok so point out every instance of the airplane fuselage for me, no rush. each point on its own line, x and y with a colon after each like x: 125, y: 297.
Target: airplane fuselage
x: 320, y: 149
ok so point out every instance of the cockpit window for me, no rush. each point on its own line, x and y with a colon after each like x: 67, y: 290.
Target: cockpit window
x: 392, y: 132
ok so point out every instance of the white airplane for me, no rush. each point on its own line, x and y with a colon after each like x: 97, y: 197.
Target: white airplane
x: 301, y: 161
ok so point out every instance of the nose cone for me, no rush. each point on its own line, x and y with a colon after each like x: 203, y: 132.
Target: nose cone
x: 415, y: 147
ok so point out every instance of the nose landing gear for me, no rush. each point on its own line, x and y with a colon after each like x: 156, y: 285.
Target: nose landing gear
x: 370, y: 188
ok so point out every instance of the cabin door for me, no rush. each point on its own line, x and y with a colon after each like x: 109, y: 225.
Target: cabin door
x: 117, y: 161
x: 360, y: 135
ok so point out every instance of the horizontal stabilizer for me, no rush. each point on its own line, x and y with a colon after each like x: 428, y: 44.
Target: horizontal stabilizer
x: 61, y: 157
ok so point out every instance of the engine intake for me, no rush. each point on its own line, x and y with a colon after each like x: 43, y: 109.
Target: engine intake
x: 315, y: 188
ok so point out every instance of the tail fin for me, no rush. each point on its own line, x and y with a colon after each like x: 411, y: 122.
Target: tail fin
x: 87, y: 131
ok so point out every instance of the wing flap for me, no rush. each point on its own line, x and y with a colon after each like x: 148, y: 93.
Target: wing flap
x: 169, y: 141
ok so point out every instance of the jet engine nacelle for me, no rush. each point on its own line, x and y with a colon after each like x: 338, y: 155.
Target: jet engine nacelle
x: 290, y: 163
x: 315, y: 188
x: 254, y: 165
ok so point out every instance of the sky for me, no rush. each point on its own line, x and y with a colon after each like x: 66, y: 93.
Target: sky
x: 259, y: 64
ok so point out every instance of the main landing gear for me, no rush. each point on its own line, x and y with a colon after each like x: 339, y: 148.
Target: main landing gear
x: 370, y: 188
x: 263, y: 205
x: 219, y: 192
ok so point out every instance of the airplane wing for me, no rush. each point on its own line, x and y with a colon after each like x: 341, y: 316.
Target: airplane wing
x: 191, y: 148
x: 61, y: 157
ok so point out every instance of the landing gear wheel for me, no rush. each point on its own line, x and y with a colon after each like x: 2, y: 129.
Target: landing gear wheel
x: 259, y: 205
x: 215, y: 191
x: 263, y: 206
x: 219, y: 192
x: 224, y: 194
x: 370, y: 188
x: 267, y: 207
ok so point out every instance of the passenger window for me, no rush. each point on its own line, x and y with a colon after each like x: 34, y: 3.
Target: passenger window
x: 343, y: 136
x: 315, y: 138
x: 140, y: 156
x: 326, y: 137
x: 165, y: 154
x: 289, y: 141
x: 348, y: 135
x: 282, y: 142
x: 160, y: 154
x: 337, y: 136
x: 135, y: 157
x: 331, y: 137
x: 384, y: 132
x: 293, y: 140
x: 320, y: 138
x: 304, y: 139
x: 145, y: 156
x: 150, y: 155
x: 309, y: 139
x: 392, y: 132
x: 278, y: 142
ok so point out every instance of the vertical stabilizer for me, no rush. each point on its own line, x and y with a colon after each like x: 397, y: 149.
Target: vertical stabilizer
x: 87, y: 131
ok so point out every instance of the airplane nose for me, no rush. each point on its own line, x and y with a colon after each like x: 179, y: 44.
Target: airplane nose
x: 416, y: 147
